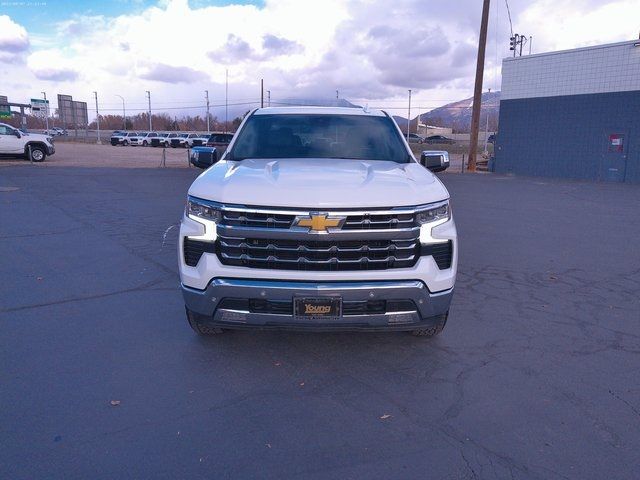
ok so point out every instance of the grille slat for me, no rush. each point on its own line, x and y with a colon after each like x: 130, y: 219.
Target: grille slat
x: 318, y: 255
x: 369, y: 221
x: 285, y: 307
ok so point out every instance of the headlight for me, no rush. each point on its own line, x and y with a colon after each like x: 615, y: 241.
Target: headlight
x: 203, y: 210
x: 431, y: 217
x: 207, y: 214
x: 434, y: 213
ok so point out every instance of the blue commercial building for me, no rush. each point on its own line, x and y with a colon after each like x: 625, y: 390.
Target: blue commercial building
x: 572, y: 114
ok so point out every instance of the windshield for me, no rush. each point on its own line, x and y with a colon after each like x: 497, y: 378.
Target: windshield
x: 319, y: 136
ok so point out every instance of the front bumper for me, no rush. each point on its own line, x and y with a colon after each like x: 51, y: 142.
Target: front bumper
x: 51, y: 149
x: 212, y: 304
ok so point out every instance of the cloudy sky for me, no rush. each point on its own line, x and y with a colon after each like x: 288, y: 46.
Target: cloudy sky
x: 371, y: 51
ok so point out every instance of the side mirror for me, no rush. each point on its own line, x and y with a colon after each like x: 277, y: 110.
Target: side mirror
x: 435, y: 161
x: 17, y: 133
x: 203, y: 157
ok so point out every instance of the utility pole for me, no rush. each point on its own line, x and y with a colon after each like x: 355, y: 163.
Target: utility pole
x: 337, y: 95
x: 97, y: 118
x: 268, y: 98
x: 206, y: 95
x: 226, y: 100
x: 124, y: 113
x: 409, y: 115
x: 46, y: 111
x: 149, y: 98
x: 477, y: 92
x: 262, y: 93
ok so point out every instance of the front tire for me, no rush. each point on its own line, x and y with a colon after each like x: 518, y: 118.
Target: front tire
x: 431, y: 331
x: 38, y: 154
x: 144, y: 143
x: 125, y: 143
x: 201, y: 328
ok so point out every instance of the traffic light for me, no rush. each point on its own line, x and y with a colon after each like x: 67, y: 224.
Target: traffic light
x: 512, y: 42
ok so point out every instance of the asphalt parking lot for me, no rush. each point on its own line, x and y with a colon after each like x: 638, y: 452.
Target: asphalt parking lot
x: 536, y: 376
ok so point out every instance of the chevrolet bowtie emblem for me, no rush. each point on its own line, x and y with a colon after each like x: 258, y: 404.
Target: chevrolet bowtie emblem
x: 319, y: 222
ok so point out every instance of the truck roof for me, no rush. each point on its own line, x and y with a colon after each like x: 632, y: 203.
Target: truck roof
x: 318, y: 111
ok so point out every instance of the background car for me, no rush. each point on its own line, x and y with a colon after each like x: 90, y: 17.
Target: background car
x: 126, y: 139
x: 219, y: 140
x: 163, y: 139
x: 439, y: 139
x: 144, y: 139
x: 116, y: 137
x: 201, y: 140
x: 177, y: 140
x: 55, y: 131
x: 188, y: 140
x: 415, y: 138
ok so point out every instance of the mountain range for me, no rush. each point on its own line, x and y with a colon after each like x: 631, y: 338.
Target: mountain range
x: 457, y: 115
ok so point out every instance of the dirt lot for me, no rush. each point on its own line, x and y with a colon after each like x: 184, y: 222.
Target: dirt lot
x: 70, y: 154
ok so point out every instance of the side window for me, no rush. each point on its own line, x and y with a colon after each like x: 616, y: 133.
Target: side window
x: 4, y: 130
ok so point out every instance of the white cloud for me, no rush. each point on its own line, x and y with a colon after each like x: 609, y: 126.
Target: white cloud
x: 14, y: 40
x: 372, y: 51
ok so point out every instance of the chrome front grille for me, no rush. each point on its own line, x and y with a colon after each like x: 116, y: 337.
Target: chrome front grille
x: 256, y: 219
x: 386, y: 220
x: 311, y: 254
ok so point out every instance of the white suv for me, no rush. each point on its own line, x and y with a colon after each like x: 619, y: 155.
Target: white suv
x: 320, y: 219
x: 33, y: 146
x: 143, y: 139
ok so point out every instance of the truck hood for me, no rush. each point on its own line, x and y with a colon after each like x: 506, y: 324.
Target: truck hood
x: 318, y: 183
x: 38, y: 136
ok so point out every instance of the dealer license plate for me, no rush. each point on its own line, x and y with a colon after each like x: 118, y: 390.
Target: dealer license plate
x: 317, y: 308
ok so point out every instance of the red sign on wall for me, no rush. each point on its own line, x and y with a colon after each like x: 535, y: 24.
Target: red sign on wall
x: 616, y: 142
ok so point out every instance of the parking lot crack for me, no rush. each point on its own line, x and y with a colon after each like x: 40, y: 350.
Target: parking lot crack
x: 139, y: 288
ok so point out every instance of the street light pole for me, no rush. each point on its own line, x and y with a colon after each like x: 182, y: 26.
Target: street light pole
x: 149, y: 98
x: 206, y: 95
x: 409, y: 116
x: 124, y: 113
x: 46, y: 111
x: 97, y: 118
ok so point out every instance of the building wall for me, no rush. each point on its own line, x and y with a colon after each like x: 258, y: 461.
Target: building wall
x: 600, y: 69
x: 569, y: 136
x: 561, y: 111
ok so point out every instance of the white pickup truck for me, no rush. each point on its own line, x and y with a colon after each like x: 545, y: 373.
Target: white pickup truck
x: 320, y: 219
x: 33, y: 146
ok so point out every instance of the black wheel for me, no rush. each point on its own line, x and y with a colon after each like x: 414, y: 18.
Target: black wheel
x: 201, y: 328
x: 431, y: 331
x: 144, y: 143
x: 38, y: 154
x: 125, y: 143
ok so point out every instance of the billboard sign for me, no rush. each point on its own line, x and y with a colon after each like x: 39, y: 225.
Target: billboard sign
x: 73, y: 114
x: 39, y: 107
x: 5, y: 109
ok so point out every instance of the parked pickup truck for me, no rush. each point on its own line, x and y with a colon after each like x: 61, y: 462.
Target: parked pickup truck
x: 33, y: 146
x: 318, y: 218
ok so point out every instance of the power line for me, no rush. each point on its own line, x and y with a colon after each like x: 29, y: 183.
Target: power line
x: 509, y: 14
